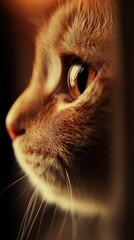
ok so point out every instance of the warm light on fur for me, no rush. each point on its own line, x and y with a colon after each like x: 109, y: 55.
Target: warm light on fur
x: 64, y: 145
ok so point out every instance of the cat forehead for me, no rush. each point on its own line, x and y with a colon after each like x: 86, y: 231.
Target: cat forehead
x: 74, y: 28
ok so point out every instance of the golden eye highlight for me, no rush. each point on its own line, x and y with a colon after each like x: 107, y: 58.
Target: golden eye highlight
x: 79, y: 78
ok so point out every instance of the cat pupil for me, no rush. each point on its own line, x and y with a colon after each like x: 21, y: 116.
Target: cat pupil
x: 82, y: 78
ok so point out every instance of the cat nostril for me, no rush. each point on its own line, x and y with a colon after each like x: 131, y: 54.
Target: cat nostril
x: 14, y: 132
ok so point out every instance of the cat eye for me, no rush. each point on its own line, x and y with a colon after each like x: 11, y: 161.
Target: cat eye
x: 79, y: 78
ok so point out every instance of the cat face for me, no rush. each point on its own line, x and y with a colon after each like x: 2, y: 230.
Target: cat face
x: 61, y: 124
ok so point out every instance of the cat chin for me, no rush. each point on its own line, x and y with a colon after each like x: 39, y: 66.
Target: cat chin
x: 56, y: 195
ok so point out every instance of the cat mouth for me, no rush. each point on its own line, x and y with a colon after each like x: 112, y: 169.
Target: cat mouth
x: 45, y: 167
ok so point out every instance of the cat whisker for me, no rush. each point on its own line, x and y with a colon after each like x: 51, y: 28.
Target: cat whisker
x: 69, y: 187
x: 31, y: 205
x: 43, y: 212
x: 12, y: 184
x: 52, y: 222
x: 65, y: 215
x: 34, y: 219
x: 29, y: 214
x: 74, y: 225
x: 22, y: 193
x: 62, y: 226
x: 54, y: 214
x: 41, y: 218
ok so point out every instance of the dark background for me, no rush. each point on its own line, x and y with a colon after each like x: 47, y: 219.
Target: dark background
x: 17, y: 52
x: 127, y: 38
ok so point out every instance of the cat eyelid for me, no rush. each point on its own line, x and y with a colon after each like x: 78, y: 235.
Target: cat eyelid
x: 70, y: 59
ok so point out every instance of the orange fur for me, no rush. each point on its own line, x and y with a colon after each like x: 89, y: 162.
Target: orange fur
x: 62, y: 136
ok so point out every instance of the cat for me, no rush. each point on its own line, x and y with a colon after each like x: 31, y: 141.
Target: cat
x: 61, y: 125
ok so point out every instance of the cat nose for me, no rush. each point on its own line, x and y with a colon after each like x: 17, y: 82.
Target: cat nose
x: 14, y: 131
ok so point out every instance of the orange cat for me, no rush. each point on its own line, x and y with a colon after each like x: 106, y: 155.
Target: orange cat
x: 61, y: 124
